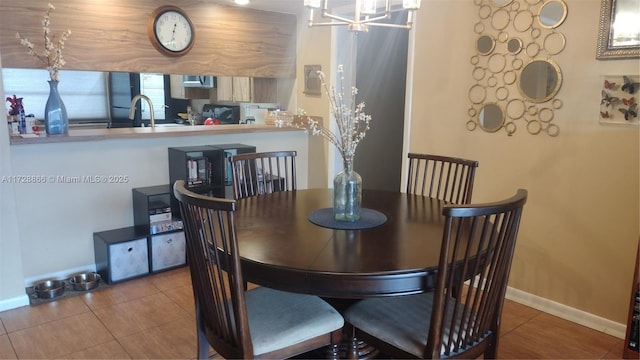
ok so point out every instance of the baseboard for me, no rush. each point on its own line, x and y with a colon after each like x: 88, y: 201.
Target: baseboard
x: 16, y: 302
x: 60, y: 275
x: 568, y: 313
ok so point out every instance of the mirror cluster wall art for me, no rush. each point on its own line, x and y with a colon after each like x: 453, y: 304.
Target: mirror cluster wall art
x: 516, y: 78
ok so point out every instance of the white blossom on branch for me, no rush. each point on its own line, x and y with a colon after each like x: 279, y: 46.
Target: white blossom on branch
x: 51, y: 55
x: 352, y: 123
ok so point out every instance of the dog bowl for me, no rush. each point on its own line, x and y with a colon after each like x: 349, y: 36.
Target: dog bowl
x: 85, y: 281
x: 49, y: 289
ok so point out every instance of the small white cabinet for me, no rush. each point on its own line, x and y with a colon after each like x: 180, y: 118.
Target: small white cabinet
x: 168, y: 251
x: 121, y: 254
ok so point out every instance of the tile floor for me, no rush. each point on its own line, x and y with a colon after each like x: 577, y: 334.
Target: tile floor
x: 153, y: 318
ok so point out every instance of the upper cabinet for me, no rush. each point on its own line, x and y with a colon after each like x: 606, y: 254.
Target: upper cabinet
x: 245, y: 89
x: 178, y: 91
x: 236, y: 88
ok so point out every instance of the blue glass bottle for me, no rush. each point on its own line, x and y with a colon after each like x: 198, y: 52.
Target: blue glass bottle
x: 56, y: 121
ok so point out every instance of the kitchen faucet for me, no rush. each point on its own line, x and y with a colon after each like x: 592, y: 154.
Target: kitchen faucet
x: 132, y: 108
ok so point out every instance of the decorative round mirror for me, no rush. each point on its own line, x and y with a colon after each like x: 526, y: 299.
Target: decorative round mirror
x: 514, y: 46
x: 491, y: 117
x: 552, y: 14
x: 485, y: 45
x: 540, y: 80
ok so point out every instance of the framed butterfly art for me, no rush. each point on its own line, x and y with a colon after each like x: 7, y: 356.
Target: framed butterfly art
x: 619, y: 98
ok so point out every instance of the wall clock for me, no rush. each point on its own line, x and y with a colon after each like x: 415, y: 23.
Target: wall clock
x: 170, y: 31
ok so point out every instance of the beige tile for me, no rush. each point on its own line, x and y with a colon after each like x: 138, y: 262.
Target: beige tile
x: 172, y: 279
x: 119, y: 293
x: 109, y: 350
x: 28, y: 316
x: 183, y: 296
x: 172, y: 340
x: 6, y: 350
x: 616, y: 351
x: 140, y: 314
x: 550, y: 337
x: 514, y: 315
x: 60, y: 337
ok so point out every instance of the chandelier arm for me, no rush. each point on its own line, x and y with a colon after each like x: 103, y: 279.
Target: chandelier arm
x: 333, y: 23
x: 369, y: 20
x: 397, y: 26
x: 336, y: 17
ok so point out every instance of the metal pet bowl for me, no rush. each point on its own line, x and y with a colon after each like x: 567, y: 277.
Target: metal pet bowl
x: 85, y: 281
x: 49, y: 289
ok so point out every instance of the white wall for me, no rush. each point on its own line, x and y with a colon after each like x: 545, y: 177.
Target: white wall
x: 580, y: 227
x: 57, y: 220
x: 11, y: 275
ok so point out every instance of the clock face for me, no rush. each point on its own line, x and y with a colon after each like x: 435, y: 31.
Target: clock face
x: 171, y: 31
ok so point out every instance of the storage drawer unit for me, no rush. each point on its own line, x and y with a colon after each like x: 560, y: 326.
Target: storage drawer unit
x: 168, y: 251
x: 121, y: 254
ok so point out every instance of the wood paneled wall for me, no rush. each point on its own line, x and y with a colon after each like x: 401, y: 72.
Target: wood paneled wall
x: 112, y: 36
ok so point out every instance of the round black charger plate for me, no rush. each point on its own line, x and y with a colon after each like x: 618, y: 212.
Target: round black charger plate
x: 369, y: 218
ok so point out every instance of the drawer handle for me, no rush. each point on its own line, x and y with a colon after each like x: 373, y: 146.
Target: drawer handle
x: 169, y: 241
x: 130, y: 249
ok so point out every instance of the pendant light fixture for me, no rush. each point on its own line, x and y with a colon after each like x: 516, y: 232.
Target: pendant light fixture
x: 366, y: 13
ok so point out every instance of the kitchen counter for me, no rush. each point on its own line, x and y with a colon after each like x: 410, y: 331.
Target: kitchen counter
x: 147, y: 132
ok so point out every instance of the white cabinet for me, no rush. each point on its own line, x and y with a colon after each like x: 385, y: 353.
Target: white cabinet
x: 234, y: 88
x: 168, y: 251
x: 121, y: 254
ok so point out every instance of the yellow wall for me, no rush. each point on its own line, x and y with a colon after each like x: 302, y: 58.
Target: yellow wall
x: 581, y: 224
x: 314, y: 47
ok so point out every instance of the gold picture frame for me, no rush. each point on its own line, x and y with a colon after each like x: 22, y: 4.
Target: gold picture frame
x: 312, y: 84
x: 614, y: 43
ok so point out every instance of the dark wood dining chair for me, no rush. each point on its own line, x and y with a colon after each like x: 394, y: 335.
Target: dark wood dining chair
x: 263, y: 172
x: 477, y: 245
x: 238, y: 324
x: 442, y: 177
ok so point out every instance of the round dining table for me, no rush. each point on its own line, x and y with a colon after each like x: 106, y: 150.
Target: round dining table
x: 280, y: 247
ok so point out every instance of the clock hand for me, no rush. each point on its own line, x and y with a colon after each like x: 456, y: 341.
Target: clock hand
x: 173, y: 33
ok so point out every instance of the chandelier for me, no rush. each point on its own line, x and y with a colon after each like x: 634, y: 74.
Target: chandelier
x: 366, y: 13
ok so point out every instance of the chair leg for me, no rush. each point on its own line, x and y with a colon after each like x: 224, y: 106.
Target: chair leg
x: 203, y: 344
x: 333, y: 350
x: 491, y: 352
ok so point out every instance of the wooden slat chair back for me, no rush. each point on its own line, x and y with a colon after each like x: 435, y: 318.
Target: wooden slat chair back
x: 477, y: 250
x: 442, y: 177
x: 239, y: 324
x: 263, y: 173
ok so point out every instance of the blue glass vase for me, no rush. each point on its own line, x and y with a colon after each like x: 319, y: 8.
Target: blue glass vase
x: 56, y: 121
x: 347, y: 194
